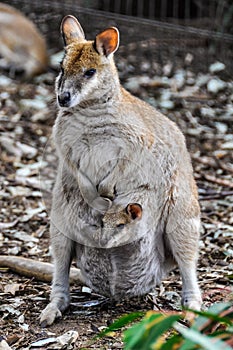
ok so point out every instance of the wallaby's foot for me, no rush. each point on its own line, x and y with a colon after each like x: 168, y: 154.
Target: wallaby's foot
x: 192, y: 300
x: 49, y: 314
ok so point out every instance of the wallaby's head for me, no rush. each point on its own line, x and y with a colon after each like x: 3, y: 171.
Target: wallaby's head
x: 121, y: 226
x: 87, y: 70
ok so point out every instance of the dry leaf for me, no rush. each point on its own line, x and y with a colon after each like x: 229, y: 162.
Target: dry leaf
x: 12, y: 288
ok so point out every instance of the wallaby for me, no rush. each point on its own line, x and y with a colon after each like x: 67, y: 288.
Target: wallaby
x: 21, y: 44
x: 130, y: 153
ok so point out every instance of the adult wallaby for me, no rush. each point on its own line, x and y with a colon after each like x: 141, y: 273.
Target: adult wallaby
x: 21, y: 44
x: 115, y: 149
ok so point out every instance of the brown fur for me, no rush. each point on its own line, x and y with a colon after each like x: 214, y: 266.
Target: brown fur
x: 21, y: 44
x: 84, y: 54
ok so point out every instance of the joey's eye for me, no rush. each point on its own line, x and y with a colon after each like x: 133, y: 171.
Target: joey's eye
x: 120, y: 226
x: 89, y: 73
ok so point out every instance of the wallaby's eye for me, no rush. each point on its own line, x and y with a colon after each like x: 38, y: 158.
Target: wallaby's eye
x: 120, y: 226
x: 89, y: 73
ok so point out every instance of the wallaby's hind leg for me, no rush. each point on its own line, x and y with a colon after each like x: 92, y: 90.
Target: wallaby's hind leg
x: 62, y: 248
x: 182, y: 233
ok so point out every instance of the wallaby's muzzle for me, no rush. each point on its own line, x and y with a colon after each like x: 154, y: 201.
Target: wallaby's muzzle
x: 64, y: 99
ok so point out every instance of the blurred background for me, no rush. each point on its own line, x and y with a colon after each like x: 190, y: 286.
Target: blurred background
x: 156, y: 30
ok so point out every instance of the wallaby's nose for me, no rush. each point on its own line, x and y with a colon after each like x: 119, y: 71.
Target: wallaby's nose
x: 64, y: 99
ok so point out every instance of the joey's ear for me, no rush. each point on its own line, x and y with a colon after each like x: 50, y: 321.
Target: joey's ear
x: 71, y: 30
x: 134, y: 210
x: 107, y: 42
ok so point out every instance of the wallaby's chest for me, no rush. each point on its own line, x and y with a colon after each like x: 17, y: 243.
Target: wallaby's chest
x: 92, y: 147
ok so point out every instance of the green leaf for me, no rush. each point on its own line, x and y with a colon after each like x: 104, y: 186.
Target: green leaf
x: 174, y: 340
x: 138, y: 332
x: 143, y: 335
x: 206, y: 342
x: 211, y: 314
x: 188, y: 345
x: 158, y: 329
x: 134, y: 335
x: 122, y: 322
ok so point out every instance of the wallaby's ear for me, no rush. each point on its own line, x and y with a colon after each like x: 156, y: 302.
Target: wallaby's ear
x: 107, y: 42
x: 71, y: 30
x: 101, y: 204
x: 134, y: 210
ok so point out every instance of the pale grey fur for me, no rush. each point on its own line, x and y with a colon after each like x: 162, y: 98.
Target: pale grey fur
x: 130, y: 153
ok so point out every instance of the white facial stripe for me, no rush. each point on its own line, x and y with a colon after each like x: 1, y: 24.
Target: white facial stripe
x: 77, y: 97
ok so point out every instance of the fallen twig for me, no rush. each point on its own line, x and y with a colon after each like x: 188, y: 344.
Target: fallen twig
x: 215, y: 195
x: 6, y: 225
x: 221, y: 182
x: 42, y: 271
x: 224, y: 166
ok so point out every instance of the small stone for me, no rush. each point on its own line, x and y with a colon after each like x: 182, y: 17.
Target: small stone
x: 179, y: 78
x: 188, y: 59
x: 14, y: 251
x: 40, y: 115
x: 21, y: 319
x: 167, y: 104
x: 202, y: 80
x: 215, y: 85
x: 20, y: 191
x: 4, y: 81
x: 35, y: 104
x: 4, y: 95
x: 207, y: 112
x: 23, y: 171
x: 132, y: 84
x: 69, y: 337
x: 28, y: 151
x: 145, y: 66
x: 220, y: 154
x: 193, y: 132
x: 227, y: 145
x: 217, y: 67
x: 221, y: 127
x: 167, y: 69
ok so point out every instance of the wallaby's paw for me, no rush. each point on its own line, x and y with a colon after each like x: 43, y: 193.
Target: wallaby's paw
x: 48, y: 315
x: 192, y: 301
x: 194, y: 305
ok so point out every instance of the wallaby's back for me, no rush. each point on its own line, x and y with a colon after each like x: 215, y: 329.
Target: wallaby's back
x: 21, y: 44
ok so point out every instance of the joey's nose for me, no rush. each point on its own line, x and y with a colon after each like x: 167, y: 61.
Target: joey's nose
x: 64, y: 99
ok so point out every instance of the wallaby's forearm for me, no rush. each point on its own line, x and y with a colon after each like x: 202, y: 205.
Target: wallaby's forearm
x: 41, y: 271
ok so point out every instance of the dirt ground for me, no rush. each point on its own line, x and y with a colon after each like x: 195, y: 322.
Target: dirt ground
x: 201, y: 104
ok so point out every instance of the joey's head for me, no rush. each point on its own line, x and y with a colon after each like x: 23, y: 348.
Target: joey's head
x: 88, y: 71
x: 121, y: 227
